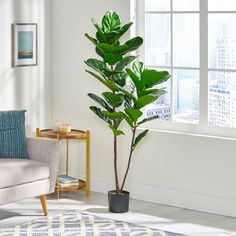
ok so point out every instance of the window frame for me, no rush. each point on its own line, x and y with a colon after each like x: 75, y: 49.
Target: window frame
x: 202, y: 128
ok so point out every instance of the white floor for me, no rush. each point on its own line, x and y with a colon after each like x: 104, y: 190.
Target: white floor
x: 163, y: 217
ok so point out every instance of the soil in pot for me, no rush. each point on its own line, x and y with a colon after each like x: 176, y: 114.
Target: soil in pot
x: 118, y: 203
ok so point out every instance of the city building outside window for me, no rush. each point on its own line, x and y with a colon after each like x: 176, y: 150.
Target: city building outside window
x: 195, y: 40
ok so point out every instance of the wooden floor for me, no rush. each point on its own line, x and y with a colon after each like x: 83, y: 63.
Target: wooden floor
x: 153, y: 215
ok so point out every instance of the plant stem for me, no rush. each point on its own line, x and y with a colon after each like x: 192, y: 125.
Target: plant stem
x: 130, y: 157
x: 115, y: 156
x: 115, y: 149
x: 115, y: 165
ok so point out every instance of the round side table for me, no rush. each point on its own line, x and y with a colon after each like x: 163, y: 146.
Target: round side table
x: 74, y: 134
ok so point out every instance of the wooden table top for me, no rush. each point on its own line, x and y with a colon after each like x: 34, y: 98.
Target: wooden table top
x: 74, y: 134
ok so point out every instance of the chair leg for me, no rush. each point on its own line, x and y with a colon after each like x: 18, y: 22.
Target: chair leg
x: 44, y: 204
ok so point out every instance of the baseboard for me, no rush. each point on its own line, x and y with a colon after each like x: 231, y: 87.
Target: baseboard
x: 194, y: 201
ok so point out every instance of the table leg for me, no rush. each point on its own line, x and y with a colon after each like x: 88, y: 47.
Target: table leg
x: 57, y: 183
x: 67, y: 156
x: 87, y: 163
x: 58, y: 190
x: 37, y: 132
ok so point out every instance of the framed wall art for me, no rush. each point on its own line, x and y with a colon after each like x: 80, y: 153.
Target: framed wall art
x: 24, y: 44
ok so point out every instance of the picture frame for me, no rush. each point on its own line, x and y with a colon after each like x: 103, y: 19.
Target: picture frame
x: 24, y: 44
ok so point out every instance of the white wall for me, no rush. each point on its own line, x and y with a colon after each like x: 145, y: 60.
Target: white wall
x: 70, y: 20
x: 176, y: 169
x: 26, y: 87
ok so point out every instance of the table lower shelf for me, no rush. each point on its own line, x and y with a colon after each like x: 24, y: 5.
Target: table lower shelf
x: 82, y: 185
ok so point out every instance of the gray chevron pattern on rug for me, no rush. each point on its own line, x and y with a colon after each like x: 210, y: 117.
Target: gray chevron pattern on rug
x: 75, y: 223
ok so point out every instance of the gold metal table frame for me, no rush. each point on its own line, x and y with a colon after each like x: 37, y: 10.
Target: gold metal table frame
x: 74, y: 134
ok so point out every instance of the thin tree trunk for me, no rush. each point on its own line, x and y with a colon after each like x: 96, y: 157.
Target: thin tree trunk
x: 130, y: 157
x: 115, y: 165
x: 115, y: 150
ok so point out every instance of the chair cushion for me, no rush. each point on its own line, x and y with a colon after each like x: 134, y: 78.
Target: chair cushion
x: 12, y: 134
x: 21, y: 171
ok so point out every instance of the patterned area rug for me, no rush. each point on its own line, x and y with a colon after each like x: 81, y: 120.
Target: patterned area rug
x: 75, y: 223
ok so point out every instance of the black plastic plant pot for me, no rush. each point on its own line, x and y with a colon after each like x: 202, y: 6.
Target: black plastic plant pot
x: 118, y: 203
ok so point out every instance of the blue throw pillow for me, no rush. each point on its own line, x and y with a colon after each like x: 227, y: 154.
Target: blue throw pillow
x: 12, y: 134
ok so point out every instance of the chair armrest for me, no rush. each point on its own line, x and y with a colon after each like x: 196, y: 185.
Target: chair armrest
x: 47, y: 151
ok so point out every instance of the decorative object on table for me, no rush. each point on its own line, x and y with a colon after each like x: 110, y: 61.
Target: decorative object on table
x: 69, y: 185
x: 79, y: 223
x: 68, y: 181
x: 64, y: 128
x: 12, y: 134
x: 24, y: 44
x: 76, y: 135
x: 129, y: 91
x: 55, y: 127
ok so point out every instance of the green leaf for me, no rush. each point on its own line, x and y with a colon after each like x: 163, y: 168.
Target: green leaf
x: 106, y: 47
x: 100, y: 101
x: 148, y: 119
x: 100, y: 38
x: 101, y: 67
x: 129, y: 121
x: 111, y: 37
x: 155, y: 92
x: 134, y: 114
x: 113, y: 115
x: 127, y: 93
x: 114, y: 36
x: 111, y: 84
x: 135, y: 79
x: 115, y: 100
x: 113, y: 53
x: 112, y: 48
x: 129, y: 46
x: 99, y: 30
x: 97, y: 77
x: 149, y: 78
x: 124, y: 62
x: 116, y: 131
x: 138, y: 68
x: 128, y: 102
x: 97, y: 65
x: 122, y: 31
x: 98, y: 112
x: 118, y: 121
x: 108, y: 83
x: 99, y: 52
x: 112, y: 59
x: 118, y: 117
x: 110, y: 53
x: 139, y: 138
x: 132, y: 45
x: 120, y: 79
x: 111, y: 22
x: 144, y: 100
x: 94, y: 41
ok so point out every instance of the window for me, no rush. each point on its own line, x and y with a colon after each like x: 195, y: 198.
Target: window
x: 195, y: 40
x: 222, y: 63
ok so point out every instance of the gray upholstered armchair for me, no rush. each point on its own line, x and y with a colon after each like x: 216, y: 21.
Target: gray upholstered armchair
x: 26, y: 178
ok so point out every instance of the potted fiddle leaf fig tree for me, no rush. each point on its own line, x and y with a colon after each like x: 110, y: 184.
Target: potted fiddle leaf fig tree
x: 130, y: 87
